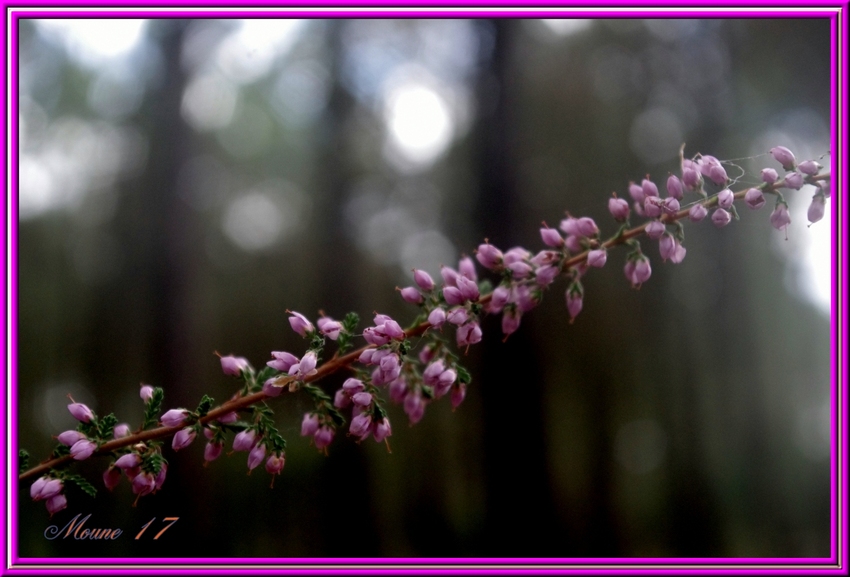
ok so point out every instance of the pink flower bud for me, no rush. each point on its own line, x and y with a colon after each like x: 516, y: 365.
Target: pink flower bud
x: 574, y: 303
x: 341, y: 399
x: 83, y: 449
x: 466, y: 268
x: 458, y: 394
x: 636, y: 192
x: 670, y: 205
x: 307, y: 364
x: 449, y: 275
x: 754, y: 198
x: 309, y: 425
x: 245, y: 440
x: 366, y: 356
x: 679, y: 254
x: 691, y: 178
x: 323, y: 437
x: 649, y: 188
x: 638, y: 271
x: 816, y: 208
x: 809, y: 167
x: 769, y: 175
x: 437, y: 317
x: 457, y: 316
x: 500, y: 297
x: 411, y: 295
x: 516, y: 254
x: 81, y: 412
x: 143, y: 484
x: 468, y: 334
x: 794, y: 180
x: 283, y: 361
x: 146, y: 392
x: 545, y: 275
x: 373, y: 337
x: 363, y: 399
x: 121, y: 430
x: 381, y: 430
x: 56, y: 504
x: 256, y: 456
x: 159, y: 479
x: 423, y: 279
x: 128, y: 461
x: 183, y: 438
x: 489, y: 256
x: 398, y: 389
x: 586, y: 227
x: 45, y: 488
x: 414, y: 406
x: 453, y: 295
x: 270, y: 389
x: 652, y: 206
x: 725, y: 198
x: 432, y: 372
x: 228, y: 418
x: 674, y: 187
x: 667, y: 246
x: 468, y: 288
x: 697, y: 212
x: 573, y: 243
x: 360, y: 425
x: 570, y: 226
x: 721, y: 218
x: 111, y: 477
x: 705, y: 163
x: 784, y: 157
x: 551, y: 237
x: 234, y: 366
x: 618, y: 208
x: 300, y: 324
x: 331, y: 328
x: 212, y: 451
x: 510, y: 320
x: 174, y: 417
x: 274, y: 464
x: 519, y: 270
x: 654, y: 229
x: 597, y: 258
x: 717, y: 174
x: 68, y: 438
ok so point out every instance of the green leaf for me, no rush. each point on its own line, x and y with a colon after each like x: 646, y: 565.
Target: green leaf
x: 267, y: 373
x: 61, y: 451
x: 87, y: 487
x: 23, y: 460
x: 204, y: 406
x: 349, y: 323
x: 153, y: 408
x: 105, y: 426
x: 335, y: 416
x: 463, y: 375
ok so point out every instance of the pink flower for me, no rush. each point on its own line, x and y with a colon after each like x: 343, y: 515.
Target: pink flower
x: 183, y: 438
x: 414, y: 406
x: 655, y: 229
x: 411, y: 295
x: 360, y: 425
x: 725, y: 198
x: 574, y: 303
x: 468, y: 334
x: 309, y: 425
x: 457, y: 316
x: 545, y: 275
x: 551, y: 237
x: 652, y: 206
x: 283, y: 361
x: 519, y: 270
x: 83, y: 449
x: 274, y: 464
x: 128, y: 461
x: 636, y: 192
x: 597, y: 258
x: 816, y: 208
x: 174, y: 417
x: 270, y: 389
x: 121, y: 430
x: 362, y: 399
x: 674, y: 187
x: 146, y: 392
x: 234, y: 366
x: 160, y: 477
x: 351, y: 386
x: 300, y: 324
x: 458, y: 394
x: 697, y: 212
x: 638, y: 270
x: 769, y: 175
x: 468, y: 288
x: 510, y: 320
x: 670, y: 205
x: 794, y: 180
x: 245, y: 440
x: 111, y: 477
x: 423, y: 279
x: 586, y: 227
x: 437, y: 317
x: 691, y: 177
x: 499, y: 299
x: 754, y: 198
x: 306, y: 367
x: 45, y: 488
x: 212, y: 451
x: 809, y: 167
x: 721, y: 218
x: 143, y: 484
x: 323, y: 437
x: 489, y: 256
x: 81, y: 412
x: 331, y: 328
x: 618, y: 208
x: 256, y: 456
x: 649, y: 188
x: 381, y: 430
x: 784, y: 157
x: 449, y: 275
x: 466, y: 268
x: 68, y: 438
x: 56, y: 504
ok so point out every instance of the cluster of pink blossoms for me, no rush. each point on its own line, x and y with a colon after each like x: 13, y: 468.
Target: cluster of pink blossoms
x: 416, y: 379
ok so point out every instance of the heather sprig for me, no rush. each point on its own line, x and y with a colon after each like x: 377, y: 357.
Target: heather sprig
x: 421, y: 363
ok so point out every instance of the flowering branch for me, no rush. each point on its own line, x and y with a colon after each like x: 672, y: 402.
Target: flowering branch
x: 386, y: 361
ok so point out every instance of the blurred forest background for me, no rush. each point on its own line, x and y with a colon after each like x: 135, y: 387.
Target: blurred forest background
x: 184, y: 182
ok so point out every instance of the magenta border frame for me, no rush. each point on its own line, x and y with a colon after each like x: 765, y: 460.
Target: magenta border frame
x: 836, y: 11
